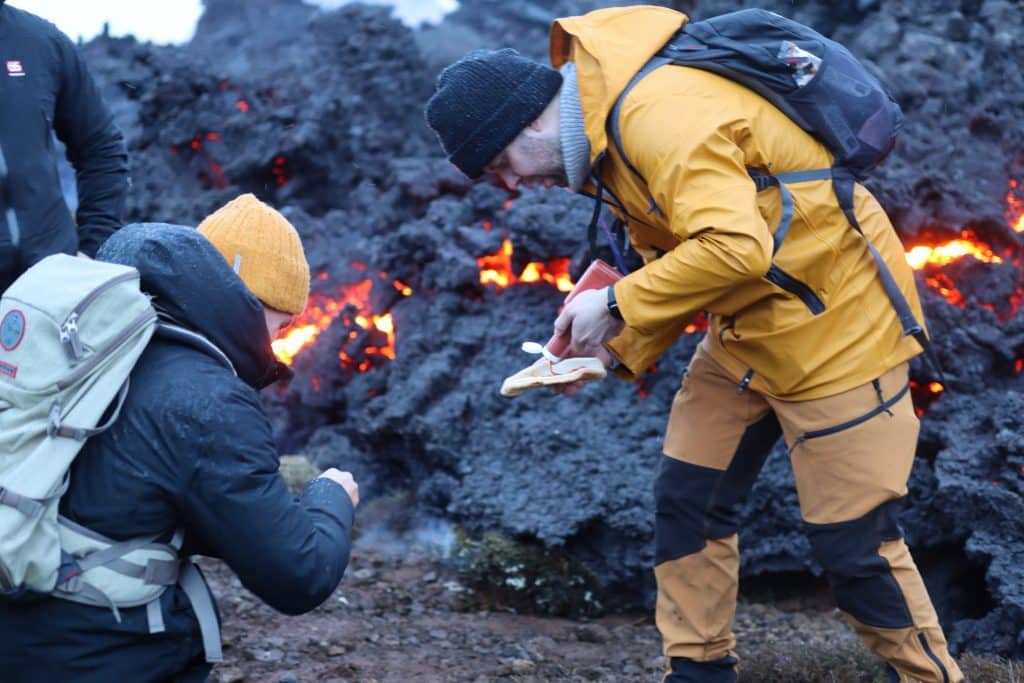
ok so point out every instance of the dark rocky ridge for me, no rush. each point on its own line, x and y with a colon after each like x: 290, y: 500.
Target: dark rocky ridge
x: 337, y: 98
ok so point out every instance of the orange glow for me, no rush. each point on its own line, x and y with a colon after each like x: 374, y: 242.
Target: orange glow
x: 1015, y: 206
x: 942, y: 284
x: 496, y: 269
x: 321, y: 310
x: 278, y: 171
x: 918, y: 257
x: 926, y: 257
x: 242, y: 106
x: 925, y: 395
x: 699, y: 324
x: 384, y: 323
x: 295, y: 339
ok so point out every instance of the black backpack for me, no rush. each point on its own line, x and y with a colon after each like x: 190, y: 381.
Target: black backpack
x: 818, y: 84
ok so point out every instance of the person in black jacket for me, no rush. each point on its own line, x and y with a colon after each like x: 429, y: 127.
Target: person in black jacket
x: 45, y: 89
x: 192, y: 450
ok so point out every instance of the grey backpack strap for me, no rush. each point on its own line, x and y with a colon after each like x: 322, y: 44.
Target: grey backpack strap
x: 111, y: 558
x: 57, y: 428
x: 843, y: 182
x: 613, y: 117
x: 155, y: 616
x: 88, y: 594
x: 23, y: 504
x: 191, y: 581
x: 184, y: 335
x: 765, y: 180
x: 29, y: 506
x: 154, y: 608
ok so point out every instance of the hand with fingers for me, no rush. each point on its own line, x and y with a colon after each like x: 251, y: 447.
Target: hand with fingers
x: 589, y: 322
x: 573, y: 387
x: 345, y: 480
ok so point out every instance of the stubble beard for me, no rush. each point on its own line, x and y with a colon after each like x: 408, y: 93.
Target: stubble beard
x: 550, y: 161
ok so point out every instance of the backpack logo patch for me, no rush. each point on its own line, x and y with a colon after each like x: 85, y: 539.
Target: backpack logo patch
x: 12, y: 330
x: 14, y: 68
x: 8, y: 369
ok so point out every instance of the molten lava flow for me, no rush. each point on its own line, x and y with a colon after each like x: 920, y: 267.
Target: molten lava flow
x: 321, y: 310
x: 942, y: 254
x: 1015, y: 206
x: 496, y: 269
x: 928, y: 257
x: 294, y: 340
x: 942, y: 284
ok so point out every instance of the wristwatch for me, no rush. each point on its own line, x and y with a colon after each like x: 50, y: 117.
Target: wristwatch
x: 613, y: 305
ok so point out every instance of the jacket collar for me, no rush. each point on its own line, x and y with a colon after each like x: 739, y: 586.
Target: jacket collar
x: 609, y: 46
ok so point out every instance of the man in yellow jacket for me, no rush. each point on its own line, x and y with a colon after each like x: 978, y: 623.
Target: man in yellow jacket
x: 817, y: 354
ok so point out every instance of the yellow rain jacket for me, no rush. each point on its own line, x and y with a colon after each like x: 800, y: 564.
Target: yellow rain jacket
x: 692, y: 135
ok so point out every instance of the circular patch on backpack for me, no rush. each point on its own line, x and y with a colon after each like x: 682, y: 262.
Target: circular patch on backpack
x: 12, y: 330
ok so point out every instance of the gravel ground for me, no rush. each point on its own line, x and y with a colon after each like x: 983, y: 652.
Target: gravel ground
x: 403, y: 613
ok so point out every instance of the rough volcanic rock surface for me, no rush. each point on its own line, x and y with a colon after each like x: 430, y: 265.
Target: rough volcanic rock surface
x: 320, y: 114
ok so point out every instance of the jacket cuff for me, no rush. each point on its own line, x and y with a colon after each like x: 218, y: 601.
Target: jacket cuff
x: 620, y: 369
x: 330, y: 498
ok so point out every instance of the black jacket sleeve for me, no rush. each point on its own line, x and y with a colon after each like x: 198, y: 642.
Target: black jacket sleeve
x: 291, y: 553
x: 96, y: 149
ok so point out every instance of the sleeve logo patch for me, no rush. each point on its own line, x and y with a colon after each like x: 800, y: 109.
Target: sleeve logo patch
x: 8, y: 369
x: 12, y: 330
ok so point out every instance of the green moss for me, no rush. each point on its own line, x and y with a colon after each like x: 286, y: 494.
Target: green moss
x: 506, y: 574
x: 297, y: 472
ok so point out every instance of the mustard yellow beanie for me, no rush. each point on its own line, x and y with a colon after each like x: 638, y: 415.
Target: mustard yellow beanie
x: 264, y: 249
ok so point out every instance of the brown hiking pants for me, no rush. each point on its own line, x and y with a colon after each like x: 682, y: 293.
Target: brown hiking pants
x: 851, y: 456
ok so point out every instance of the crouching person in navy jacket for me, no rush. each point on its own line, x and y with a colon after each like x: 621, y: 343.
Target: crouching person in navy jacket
x: 191, y: 458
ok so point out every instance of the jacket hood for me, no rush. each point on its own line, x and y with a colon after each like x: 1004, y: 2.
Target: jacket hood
x: 191, y: 282
x: 609, y: 46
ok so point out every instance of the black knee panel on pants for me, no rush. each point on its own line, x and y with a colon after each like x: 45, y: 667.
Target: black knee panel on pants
x: 682, y: 496
x: 695, y: 503
x: 861, y: 579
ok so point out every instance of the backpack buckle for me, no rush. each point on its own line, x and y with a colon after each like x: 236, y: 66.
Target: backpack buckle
x: 762, y: 181
x: 68, y: 572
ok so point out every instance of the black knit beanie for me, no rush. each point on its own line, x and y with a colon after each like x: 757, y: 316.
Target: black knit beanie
x: 484, y: 100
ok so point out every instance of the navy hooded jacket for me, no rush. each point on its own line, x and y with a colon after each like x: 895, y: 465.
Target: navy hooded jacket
x: 192, y: 448
x: 45, y: 88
